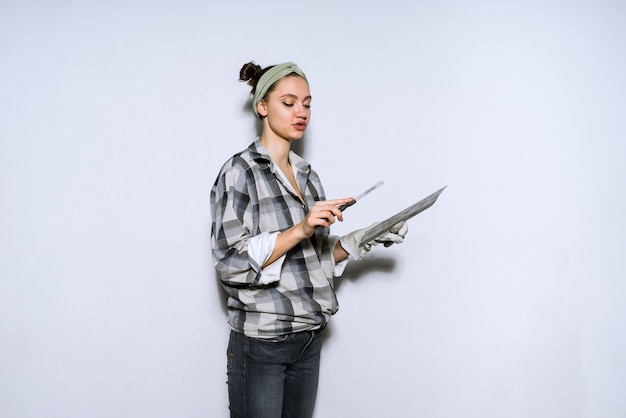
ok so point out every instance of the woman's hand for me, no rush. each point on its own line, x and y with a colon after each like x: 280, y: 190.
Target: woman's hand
x: 322, y: 213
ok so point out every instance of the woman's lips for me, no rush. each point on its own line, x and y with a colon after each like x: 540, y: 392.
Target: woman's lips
x: 300, y: 126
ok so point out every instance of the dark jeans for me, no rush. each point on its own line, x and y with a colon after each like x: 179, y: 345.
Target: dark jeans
x: 274, y: 378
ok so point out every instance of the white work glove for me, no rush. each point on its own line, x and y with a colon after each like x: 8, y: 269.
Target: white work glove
x: 350, y: 242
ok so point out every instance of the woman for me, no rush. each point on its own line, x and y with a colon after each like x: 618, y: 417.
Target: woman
x: 274, y: 255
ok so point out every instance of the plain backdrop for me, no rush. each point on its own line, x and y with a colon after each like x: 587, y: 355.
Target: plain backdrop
x: 507, y: 299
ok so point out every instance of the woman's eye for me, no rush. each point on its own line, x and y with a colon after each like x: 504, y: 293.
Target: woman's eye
x: 307, y: 106
x: 288, y: 104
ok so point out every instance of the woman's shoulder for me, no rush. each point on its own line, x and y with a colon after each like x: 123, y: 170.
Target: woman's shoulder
x: 246, y: 162
x: 244, y: 158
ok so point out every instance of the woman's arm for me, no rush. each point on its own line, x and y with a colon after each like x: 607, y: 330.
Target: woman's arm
x: 323, y: 214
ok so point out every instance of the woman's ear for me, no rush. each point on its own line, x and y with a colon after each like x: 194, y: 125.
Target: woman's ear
x: 261, y: 108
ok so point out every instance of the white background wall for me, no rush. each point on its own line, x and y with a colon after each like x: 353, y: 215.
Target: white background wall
x: 507, y: 299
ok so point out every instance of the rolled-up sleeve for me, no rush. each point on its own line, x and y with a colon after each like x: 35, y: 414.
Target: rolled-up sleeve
x: 260, y: 248
x: 233, y: 215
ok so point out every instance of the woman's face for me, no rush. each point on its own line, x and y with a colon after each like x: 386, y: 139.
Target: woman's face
x: 288, y: 108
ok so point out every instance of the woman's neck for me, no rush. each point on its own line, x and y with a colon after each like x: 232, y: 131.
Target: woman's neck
x: 278, y: 149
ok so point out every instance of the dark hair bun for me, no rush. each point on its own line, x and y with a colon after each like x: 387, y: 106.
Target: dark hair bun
x: 250, y: 72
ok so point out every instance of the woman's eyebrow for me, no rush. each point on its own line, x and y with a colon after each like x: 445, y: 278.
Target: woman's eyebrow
x: 293, y: 96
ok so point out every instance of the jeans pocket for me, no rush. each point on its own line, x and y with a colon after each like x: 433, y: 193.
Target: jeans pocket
x: 272, y: 340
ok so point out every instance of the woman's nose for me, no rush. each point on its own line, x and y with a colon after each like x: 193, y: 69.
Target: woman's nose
x: 301, y: 112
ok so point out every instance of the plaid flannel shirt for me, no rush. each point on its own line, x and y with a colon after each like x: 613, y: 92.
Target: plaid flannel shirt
x: 249, y: 198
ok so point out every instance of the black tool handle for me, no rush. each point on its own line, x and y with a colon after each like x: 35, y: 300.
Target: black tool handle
x: 346, y: 205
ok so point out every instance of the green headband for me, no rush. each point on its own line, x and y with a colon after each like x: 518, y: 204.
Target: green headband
x: 270, y: 77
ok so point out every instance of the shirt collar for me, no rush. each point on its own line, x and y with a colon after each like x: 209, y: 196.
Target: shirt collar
x: 258, y: 152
